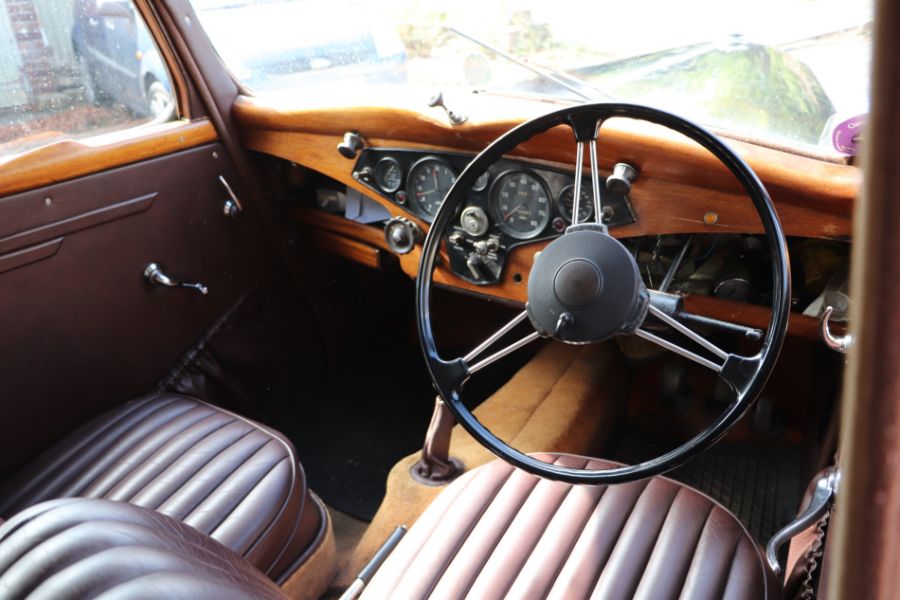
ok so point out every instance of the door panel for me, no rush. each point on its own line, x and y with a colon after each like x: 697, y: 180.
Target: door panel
x: 81, y: 329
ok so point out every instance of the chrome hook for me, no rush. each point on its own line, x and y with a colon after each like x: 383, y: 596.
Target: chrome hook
x: 836, y: 343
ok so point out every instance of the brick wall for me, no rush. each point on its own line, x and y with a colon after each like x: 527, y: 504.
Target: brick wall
x: 36, y: 56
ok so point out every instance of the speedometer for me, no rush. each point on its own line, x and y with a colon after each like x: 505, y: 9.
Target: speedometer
x: 429, y: 181
x: 520, y: 204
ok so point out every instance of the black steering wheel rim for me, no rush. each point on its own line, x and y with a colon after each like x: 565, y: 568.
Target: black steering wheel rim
x: 445, y: 374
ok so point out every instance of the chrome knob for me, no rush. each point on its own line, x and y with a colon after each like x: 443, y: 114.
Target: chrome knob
x: 622, y: 177
x: 402, y: 235
x: 836, y: 343
x: 353, y: 143
x: 153, y: 273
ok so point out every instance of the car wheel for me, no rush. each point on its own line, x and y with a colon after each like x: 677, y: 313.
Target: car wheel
x: 159, y: 100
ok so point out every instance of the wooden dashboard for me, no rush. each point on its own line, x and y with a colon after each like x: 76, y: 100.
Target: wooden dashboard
x: 679, y: 182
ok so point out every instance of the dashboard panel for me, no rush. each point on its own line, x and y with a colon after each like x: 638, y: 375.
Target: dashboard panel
x: 680, y: 191
x: 511, y: 204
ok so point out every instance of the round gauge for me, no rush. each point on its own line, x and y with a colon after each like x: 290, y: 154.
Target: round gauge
x: 567, y: 200
x: 388, y: 174
x: 520, y: 204
x: 429, y: 181
x: 481, y: 182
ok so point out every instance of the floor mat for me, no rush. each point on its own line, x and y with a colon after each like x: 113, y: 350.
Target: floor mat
x: 762, y: 487
x: 352, y: 430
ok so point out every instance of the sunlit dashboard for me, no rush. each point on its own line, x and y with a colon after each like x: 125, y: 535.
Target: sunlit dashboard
x: 683, y: 203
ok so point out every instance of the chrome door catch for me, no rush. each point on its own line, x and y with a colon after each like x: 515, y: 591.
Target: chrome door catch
x: 153, y: 274
x: 233, y: 207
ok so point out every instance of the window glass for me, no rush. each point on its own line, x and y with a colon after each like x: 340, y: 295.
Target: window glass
x: 76, y: 68
x: 787, y: 71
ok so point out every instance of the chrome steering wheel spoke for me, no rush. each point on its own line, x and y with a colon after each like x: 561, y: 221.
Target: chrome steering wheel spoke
x: 733, y: 368
x: 452, y: 375
x: 586, y: 131
x: 474, y: 367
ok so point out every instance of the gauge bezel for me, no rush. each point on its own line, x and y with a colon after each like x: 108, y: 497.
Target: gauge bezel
x: 410, y: 193
x: 498, y: 218
x: 378, y: 180
x: 559, y: 202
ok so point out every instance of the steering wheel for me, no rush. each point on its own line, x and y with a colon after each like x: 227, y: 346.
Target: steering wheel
x: 585, y: 287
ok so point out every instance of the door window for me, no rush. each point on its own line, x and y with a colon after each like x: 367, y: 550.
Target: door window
x: 71, y: 69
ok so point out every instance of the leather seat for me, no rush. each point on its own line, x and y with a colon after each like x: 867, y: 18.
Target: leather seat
x: 222, y: 474
x: 498, y: 532
x: 76, y: 549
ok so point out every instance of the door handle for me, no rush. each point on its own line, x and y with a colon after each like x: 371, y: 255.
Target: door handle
x: 153, y: 273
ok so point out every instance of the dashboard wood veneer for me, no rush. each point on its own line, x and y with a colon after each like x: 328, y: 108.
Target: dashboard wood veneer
x: 813, y: 197
x: 678, y: 183
x: 515, y: 289
x: 662, y: 204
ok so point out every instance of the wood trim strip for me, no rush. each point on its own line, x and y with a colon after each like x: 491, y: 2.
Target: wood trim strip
x: 69, y: 159
x: 77, y: 223
x: 348, y: 248
x: 27, y: 256
x: 336, y: 223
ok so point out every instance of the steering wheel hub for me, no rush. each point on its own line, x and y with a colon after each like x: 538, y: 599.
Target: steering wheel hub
x: 585, y: 287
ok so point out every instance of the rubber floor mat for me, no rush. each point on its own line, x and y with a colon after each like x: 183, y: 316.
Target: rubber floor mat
x: 350, y: 432
x: 763, y: 487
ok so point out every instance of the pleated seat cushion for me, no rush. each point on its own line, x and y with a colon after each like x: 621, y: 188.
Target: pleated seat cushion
x: 498, y: 532
x: 224, y: 475
x: 80, y: 549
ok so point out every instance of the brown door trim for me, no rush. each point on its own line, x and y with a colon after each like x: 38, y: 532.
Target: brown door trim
x: 867, y: 516
x: 69, y: 159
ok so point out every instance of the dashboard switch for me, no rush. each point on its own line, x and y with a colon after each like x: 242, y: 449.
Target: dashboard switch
x: 474, y: 264
x: 402, y: 235
x: 622, y: 177
x: 351, y: 144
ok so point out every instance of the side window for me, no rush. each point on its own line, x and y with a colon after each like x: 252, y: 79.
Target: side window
x: 71, y: 69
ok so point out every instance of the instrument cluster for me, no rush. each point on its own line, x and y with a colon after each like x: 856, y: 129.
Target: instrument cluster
x: 510, y: 204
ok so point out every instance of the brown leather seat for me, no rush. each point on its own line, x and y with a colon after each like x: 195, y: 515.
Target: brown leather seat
x: 224, y: 475
x: 76, y: 549
x: 498, y: 532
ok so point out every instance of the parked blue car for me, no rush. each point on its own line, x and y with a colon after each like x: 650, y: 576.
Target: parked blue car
x: 118, y: 58
x: 121, y: 64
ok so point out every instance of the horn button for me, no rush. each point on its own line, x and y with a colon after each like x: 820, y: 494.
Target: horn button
x: 585, y: 287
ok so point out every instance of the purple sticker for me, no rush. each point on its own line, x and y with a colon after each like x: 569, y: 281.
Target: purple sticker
x: 847, y: 136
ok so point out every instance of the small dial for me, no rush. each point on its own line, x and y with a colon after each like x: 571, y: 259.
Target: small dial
x: 520, y: 204
x: 566, y: 203
x: 429, y: 181
x: 388, y: 175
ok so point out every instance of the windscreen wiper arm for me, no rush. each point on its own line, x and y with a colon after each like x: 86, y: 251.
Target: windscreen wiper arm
x: 555, y: 75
